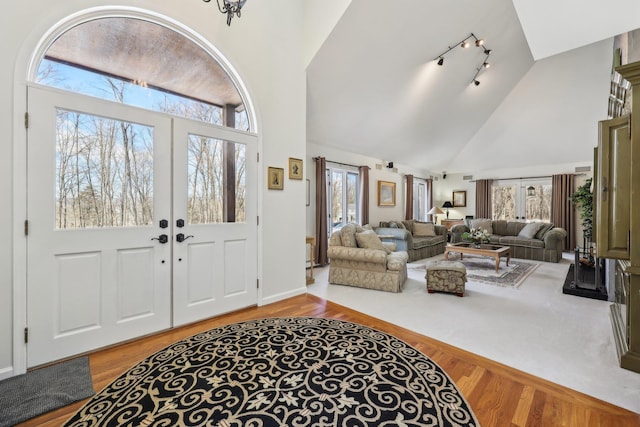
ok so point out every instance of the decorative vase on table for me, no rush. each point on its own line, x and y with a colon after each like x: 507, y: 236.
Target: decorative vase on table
x: 476, y: 236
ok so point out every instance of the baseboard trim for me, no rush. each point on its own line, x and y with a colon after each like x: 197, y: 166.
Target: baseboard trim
x: 6, y: 372
x: 282, y: 296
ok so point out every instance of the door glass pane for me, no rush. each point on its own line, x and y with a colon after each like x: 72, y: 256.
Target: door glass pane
x: 504, y: 202
x: 419, y: 194
x: 217, y: 189
x: 104, y: 172
x: 352, y: 197
x: 538, y: 203
x: 336, y: 199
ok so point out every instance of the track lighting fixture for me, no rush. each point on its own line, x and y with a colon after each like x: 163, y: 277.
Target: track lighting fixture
x: 485, y: 64
x: 465, y: 43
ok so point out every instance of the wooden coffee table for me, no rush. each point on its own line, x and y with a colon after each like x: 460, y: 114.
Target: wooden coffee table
x: 493, y: 251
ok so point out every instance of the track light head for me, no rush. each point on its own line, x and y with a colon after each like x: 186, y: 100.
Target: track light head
x: 486, y: 64
x: 441, y: 61
x: 476, y: 82
x: 465, y: 44
x: 487, y: 51
x: 479, y: 42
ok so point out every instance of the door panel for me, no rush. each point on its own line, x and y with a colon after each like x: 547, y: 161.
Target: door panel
x: 215, y: 267
x: 95, y: 276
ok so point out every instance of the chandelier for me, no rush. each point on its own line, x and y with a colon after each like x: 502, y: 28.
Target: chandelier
x: 230, y: 7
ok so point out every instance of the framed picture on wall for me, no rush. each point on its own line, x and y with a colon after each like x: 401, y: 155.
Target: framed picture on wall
x: 275, y: 178
x: 459, y: 199
x: 386, y: 193
x: 295, y: 168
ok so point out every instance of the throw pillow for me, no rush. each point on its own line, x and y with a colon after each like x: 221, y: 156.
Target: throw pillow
x: 408, y: 225
x: 348, y: 236
x: 369, y: 240
x: 530, y: 230
x: 483, y: 223
x: 546, y: 227
x: 423, y: 229
x: 397, y: 224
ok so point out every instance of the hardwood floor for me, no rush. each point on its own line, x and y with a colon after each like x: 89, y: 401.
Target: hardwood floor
x: 499, y: 395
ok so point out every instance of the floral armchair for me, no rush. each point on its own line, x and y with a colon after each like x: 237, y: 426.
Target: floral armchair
x: 357, y: 257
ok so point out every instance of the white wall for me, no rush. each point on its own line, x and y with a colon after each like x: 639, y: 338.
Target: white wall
x: 320, y: 18
x: 376, y: 213
x: 265, y: 47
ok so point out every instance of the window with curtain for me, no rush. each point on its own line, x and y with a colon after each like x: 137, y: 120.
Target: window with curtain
x: 343, y: 186
x: 522, y: 200
x: 421, y: 199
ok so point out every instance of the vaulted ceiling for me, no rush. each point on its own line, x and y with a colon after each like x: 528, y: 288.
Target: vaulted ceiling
x: 374, y: 89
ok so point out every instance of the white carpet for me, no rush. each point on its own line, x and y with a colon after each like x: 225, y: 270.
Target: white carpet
x: 534, y: 328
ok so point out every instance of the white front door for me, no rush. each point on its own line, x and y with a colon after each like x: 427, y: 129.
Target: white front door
x: 104, y: 264
x: 215, y: 243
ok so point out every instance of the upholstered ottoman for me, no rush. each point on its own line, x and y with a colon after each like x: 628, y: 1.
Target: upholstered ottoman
x: 446, y: 276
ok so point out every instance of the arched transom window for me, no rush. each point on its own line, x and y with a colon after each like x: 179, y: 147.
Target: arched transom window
x: 140, y: 63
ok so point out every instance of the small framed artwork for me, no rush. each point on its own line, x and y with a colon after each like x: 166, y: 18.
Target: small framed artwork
x: 459, y: 199
x: 295, y: 168
x: 386, y: 193
x: 275, y: 178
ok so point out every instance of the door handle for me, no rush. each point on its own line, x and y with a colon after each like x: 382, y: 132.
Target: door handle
x: 181, y: 237
x: 163, y: 238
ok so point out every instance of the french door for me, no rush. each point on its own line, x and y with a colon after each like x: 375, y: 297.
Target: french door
x: 522, y: 200
x: 120, y: 242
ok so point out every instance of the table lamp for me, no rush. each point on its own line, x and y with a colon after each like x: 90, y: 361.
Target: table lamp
x: 435, y: 211
x: 447, y: 205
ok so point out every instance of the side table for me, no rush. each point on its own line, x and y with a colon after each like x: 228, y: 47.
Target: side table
x: 311, y: 241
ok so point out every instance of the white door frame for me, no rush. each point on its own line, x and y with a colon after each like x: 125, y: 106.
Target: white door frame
x: 33, y: 46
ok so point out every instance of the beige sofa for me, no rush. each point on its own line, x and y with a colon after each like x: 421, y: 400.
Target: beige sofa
x: 537, y: 241
x: 357, y: 257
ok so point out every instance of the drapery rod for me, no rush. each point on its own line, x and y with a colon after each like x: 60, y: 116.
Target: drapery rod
x: 338, y: 163
x: 527, y: 177
x: 417, y: 177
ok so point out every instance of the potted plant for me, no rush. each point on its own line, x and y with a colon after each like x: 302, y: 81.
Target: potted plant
x: 582, y: 198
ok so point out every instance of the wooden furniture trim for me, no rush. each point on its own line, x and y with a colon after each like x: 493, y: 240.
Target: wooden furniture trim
x: 491, y: 251
x: 451, y: 222
x: 311, y: 241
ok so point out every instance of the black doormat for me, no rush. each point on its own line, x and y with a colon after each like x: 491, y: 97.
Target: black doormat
x: 42, y: 390
x: 584, y: 287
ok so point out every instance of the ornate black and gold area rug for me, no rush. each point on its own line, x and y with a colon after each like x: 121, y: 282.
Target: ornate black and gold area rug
x: 282, y: 372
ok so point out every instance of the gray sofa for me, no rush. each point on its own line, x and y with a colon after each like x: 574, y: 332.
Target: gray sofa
x: 544, y: 245
x: 402, y: 233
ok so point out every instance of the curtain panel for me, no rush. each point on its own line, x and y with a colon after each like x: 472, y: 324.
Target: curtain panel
x: 322, y: 242
x: 562, y: 210
x: 364, y: 194
x: 408, y: 211
x: 429, y: 197
x: 483, y: 198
